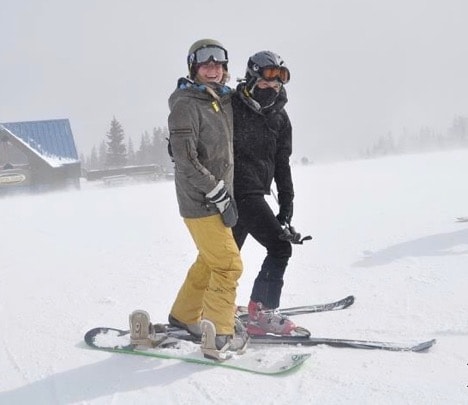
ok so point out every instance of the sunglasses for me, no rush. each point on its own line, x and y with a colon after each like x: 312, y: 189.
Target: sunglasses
x: 280, y: 73
x: 210, y: 54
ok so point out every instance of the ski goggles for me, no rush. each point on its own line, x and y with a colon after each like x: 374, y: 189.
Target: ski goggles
x: 210, y: 54
x: 270, y: 73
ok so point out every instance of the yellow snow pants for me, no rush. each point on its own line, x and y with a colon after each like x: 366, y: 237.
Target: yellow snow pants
x: 209, y: 289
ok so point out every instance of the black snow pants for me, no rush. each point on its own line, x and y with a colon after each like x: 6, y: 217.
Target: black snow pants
x: 257, y: 219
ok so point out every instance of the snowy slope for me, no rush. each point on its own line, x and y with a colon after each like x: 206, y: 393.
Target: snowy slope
x: 383, y: 230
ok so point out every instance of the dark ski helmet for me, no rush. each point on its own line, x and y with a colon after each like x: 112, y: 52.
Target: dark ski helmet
x: 206, y: 50
x: 266, y: 65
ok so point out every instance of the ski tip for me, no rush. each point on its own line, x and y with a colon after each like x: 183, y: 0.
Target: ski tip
x: 349, y: 301
x: 301, y: 357
x: 424, y: 346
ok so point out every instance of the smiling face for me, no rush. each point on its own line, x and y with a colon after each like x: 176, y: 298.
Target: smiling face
x: 210, y: 72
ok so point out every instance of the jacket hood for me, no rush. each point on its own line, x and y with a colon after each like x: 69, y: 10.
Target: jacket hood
x: 189, y: 88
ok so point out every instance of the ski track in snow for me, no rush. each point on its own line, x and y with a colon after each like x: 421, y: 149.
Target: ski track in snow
x: 383, y: 230
x: 14, y: 363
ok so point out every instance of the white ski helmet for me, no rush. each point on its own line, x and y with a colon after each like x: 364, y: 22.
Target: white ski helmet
x: 206, y: 50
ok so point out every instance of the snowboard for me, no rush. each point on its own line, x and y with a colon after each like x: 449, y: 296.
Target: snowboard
x: 258, y: 361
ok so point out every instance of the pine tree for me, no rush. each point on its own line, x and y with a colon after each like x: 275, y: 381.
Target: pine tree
x: 93, y: 160
x: 144, y: 152
x: 116, y: 155
x: 160, y: 144
x: 102, y: 155
x: 458, y: 132
x: 131, y: 156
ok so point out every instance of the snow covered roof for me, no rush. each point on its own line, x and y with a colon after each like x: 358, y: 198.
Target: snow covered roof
x: 52, y: 140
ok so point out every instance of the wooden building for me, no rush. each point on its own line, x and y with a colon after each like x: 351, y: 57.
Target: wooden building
x: 38, y: 156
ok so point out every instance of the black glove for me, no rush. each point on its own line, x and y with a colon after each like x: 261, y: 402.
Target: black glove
x: 225, y: 204
x: 285, y: 213
x: 289, y: 234
x: 169, y: 149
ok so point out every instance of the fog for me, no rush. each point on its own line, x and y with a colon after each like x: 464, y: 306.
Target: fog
x: 360, y: 69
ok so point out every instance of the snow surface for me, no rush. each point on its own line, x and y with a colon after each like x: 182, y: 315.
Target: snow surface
x: 384, y: 230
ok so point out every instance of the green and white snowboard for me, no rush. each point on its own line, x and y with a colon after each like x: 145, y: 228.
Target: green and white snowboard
x: 255, y: 359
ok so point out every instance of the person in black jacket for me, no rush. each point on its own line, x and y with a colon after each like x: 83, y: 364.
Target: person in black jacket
x: 262, y: 148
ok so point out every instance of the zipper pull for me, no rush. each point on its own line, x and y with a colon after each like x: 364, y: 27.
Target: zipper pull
x: 215, y: 106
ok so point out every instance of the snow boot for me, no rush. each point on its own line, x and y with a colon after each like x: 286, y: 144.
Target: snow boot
x: 193, y: 328
x: 264, y: 321
x: 222, y: 347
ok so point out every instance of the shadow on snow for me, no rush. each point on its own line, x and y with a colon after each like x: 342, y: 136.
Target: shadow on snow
x: 442, y: 244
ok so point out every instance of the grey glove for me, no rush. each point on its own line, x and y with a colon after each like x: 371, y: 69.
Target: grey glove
x: 225, y: 204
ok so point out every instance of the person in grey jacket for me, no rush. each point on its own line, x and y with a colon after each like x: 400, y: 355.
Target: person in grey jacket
x: 201, y: 140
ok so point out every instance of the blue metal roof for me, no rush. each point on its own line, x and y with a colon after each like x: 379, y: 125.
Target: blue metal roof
x: 51, y: 138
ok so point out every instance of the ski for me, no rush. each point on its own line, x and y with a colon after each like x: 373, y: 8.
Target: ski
x: 419, y: 346
x: 242, y: 312
x: 343, y: 303
x: 462, y: 219
x: 256, y: 359
x: 344, y: 343
x: 243, y: 315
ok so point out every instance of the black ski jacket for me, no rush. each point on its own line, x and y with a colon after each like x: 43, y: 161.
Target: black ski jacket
x: 262, y: 147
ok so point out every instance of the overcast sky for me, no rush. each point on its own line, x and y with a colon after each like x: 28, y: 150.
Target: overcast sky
x: 360, y: 68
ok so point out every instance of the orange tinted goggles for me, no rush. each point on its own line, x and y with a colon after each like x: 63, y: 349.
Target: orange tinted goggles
x: 280, y: 73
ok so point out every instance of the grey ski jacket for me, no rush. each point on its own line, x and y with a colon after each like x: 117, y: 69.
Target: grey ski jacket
x: 201, y: 139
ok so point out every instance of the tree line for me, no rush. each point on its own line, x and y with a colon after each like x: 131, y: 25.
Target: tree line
x: 427, y: 139
x: 117, y: 150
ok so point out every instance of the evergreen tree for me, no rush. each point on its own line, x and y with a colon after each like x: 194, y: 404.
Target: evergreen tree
x: 428, y: 139
x: 385, y: 145
x: 93, y: 160
x: 458, y: 132
x: 144, y: 153
x: 116, y: 155
x: 131, y: 156
x: 160, y: 144
x: 102, y: 155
